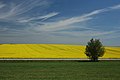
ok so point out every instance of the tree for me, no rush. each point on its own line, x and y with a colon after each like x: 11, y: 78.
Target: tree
x: 94, y: 49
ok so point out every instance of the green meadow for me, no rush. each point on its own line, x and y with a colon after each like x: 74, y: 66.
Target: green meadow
x: 56, y: 70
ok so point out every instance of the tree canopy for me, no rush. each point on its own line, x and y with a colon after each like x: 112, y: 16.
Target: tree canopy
x: 94, y: 49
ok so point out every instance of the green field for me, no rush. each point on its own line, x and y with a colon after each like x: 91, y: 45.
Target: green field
x: 104, y: 70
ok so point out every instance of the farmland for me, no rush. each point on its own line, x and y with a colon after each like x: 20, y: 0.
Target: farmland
x: 56, y: 70
x: 50, y: 51
x: 103, y: 70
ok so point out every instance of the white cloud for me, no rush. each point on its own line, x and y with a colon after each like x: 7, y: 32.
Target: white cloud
x: 87, y: 33
x: 50, y: 28
x: 102, y: 10
x: 115, y: 7
x: 21, y: 8
x: 44, y: 17
x: 63, y: 24
x: 2, y: 5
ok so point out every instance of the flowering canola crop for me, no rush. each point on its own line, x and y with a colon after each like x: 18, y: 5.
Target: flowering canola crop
x: 50, y: 51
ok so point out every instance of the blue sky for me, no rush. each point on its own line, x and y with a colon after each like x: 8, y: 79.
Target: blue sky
x: 60, y: 21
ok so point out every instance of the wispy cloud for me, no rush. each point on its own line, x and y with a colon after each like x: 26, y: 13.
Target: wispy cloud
x: 2, y: 5
x: 13, y: 13
x: 87, y: 33
x: 44, y: 17
x: 21, y: 8
x: 17, y: 21
x: 102, y: 10
x: 115, y: 7
x: 63, y: 24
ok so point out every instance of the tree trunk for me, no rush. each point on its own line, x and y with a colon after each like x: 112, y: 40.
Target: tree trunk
x: 94, y: 59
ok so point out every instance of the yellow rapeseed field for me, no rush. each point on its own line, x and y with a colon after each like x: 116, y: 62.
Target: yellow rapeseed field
x: 50, y: 51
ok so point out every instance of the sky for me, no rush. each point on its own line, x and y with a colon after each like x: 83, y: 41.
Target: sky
x: 60, y: 21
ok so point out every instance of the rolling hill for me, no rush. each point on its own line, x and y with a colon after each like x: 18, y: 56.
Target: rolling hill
x: 50, y: 51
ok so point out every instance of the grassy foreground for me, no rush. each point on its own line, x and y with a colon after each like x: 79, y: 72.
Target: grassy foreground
x: 50, y: 51
x: 106, y: 70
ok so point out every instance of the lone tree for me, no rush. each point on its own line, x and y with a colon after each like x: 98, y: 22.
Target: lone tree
x: 94, y: 49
